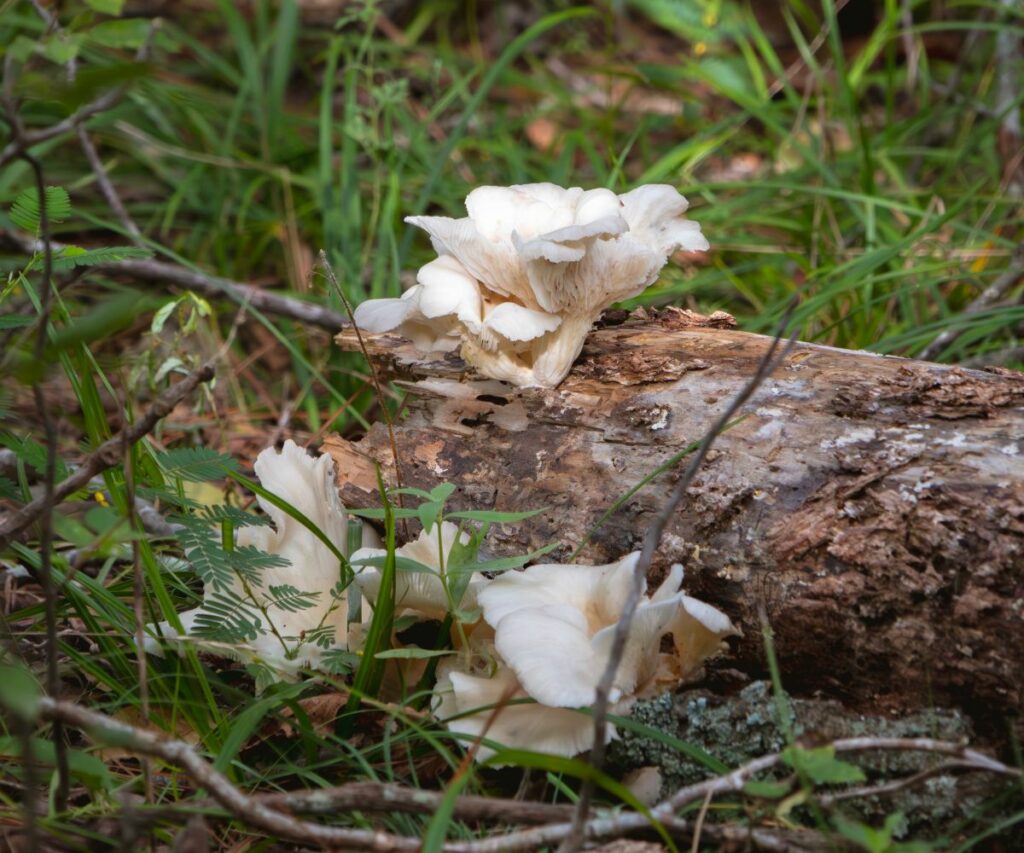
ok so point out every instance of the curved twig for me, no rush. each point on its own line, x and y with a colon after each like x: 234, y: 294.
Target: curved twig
x: 253, y: 811
x: 260, y: 810
x: 211, y: 286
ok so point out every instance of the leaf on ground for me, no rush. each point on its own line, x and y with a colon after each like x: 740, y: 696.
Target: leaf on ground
x: 321, y: 712
x: 821, y: 766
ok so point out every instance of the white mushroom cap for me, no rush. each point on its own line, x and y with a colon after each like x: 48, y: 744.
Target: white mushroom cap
x: 447, y: 304
x: 307, y: 484
x: 448, y: 289
x: 464, y: 701
x: 422, y: 592
x: 554, y: 626
x: 597, y: 592
x: 539, y: 217
x: 545, y: 261
x: 385, y: 315
x: 697, y: 632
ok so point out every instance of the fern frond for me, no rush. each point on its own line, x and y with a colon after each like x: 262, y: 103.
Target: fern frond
x: 32, y: 453
x: 9, y: 489
x: 220, y: 569
x: 323, y: 636
x: 168, y: 497
x: 25, y: 211
x: 219, y: 513
x: 196, y: 464
x: 75, y: 256
x: 250, y: 562
x: 339, y: 661
x: 227, y: 620
x: 203, y: 550
x: 290, y: 599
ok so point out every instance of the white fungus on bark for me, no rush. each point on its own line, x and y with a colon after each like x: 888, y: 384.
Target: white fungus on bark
x: 521, y: 280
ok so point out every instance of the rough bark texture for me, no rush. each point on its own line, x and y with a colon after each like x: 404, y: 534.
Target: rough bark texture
x: 872, y: 508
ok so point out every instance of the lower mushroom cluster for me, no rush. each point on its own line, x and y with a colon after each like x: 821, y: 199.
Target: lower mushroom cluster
x: 528, y: 647
x: 518, y: 674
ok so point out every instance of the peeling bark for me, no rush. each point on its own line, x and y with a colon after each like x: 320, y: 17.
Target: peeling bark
x: 872, y: 507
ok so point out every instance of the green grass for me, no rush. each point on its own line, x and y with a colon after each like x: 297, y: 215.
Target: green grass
x: 248, y: 142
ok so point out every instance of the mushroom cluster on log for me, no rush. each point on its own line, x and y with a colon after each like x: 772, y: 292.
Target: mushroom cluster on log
x: 869, y: 508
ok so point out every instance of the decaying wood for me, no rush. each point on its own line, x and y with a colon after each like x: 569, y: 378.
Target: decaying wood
x: 872, y: 507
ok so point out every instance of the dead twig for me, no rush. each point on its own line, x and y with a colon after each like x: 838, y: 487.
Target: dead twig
x: 392, y: 797
x: 106, y: 187
x: 211, y: 286
x: 986, y: 299
x: 1009, y: 66
x: 261, y: 810
x: 25, y: 141
x: 252, y: 811
x: 108, y: 454
x: 48, y: 499
x: 138, y: 598
x: 377, y: 385
x: 819, y: 39
x: 85, y: 141
x: 652, y: 539
x: 733, y: 782
x: 893, y: 785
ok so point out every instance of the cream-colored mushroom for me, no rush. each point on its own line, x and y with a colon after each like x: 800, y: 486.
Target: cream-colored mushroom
x: 308, y: 485
x: 425, y: 591
x: 521, y: 280
x: 554, y: 626
x: 481, y: 698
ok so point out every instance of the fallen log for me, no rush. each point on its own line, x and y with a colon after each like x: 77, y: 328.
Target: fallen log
x: 870, y: 508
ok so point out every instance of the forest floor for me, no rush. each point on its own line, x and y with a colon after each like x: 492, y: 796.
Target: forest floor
x: 199, y: 155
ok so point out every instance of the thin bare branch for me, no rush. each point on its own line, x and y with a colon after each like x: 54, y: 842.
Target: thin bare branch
x: 986, y: 299
x: 252, y: 811
x: 819, y: 39
x: 48, y: 499
x: 893, y: 785
x: 1009, y: 67
x: 210, y: 286
x: 108, y: 454
x: 23, y: 142
x: 106, y: 187
x: 733, y: 782
x: 378, y: 386
x: 138, y: 598
x: 652, y: 539
x: 391, y: 797
x: 261, y: 810
x: 243, y: 294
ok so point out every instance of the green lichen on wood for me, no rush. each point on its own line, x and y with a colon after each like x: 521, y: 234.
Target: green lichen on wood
x: 742, y: 727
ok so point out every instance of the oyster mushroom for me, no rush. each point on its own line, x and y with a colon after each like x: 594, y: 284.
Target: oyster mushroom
x: 468, y: 692
x: 424, y: 591
x: 553, y: 628
x: 521, y: 280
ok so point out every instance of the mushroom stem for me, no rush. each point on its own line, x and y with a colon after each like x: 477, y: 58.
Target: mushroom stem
x: 555, y: 352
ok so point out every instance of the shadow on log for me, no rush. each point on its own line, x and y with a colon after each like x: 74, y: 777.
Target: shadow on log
x: 871, y: 507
